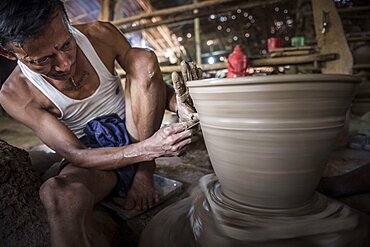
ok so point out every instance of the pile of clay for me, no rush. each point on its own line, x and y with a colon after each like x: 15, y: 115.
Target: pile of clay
x: 22, y: 216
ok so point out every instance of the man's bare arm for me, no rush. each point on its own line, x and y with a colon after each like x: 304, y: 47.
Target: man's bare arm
x: 22, y: 106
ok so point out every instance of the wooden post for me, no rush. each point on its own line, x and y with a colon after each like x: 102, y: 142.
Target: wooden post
x: 330, y: 37
x: 105, y: 13
x: 198, y: 51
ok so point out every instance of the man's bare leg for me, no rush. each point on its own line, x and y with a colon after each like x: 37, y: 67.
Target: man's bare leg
x: 69, y: 199
x: 145, y: 94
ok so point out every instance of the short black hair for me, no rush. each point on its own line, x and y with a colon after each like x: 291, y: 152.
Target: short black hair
x: 23, y: 19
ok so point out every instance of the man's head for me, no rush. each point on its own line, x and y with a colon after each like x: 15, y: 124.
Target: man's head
x: 23, y: 19
x: 37, y: 33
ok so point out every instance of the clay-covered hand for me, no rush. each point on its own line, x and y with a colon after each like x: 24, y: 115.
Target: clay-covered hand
x: 168, y: 141
x: 185, y: 106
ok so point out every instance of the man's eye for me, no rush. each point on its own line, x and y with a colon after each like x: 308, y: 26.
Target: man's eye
x: 41, y: 61
x: 66, y: 45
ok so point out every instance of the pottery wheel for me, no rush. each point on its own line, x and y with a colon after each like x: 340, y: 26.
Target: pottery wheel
x: 318, y: 217
x: 209, y: 218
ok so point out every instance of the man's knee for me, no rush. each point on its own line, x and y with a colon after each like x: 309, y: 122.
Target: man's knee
x: 145, y: 68
x: 60, y: 197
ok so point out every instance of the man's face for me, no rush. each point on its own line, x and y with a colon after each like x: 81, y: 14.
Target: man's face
x: 52, y: 53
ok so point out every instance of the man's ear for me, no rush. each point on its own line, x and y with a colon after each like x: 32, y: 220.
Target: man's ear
x: 7, y: 54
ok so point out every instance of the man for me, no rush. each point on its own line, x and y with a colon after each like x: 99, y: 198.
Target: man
x: 65, y: 88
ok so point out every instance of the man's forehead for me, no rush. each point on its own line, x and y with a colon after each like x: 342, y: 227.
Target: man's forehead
x: 53, y: 34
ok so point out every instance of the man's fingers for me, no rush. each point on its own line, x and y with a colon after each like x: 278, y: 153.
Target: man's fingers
x: 178, y: 84
x: 193, y: 71
x: 185, y: 71
x: 200, y: 73
x: 171, y: 140
x: 193, y: 122
x: 180, y: 136
x: 180, y: 147
x: 190, y: 71
x: 174, y: 128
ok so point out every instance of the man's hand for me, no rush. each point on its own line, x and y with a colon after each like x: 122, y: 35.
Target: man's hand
x: 168, y: 141
x: 185, y: 106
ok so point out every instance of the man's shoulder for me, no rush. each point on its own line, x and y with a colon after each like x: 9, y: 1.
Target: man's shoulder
x: 15, y: 90
x: 98, y: 31
x: 106, y: 39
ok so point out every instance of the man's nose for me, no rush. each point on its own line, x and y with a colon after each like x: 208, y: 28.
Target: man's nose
x: 62, y: 62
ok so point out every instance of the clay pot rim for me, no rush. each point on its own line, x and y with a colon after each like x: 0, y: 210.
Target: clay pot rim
x: 274, y: 79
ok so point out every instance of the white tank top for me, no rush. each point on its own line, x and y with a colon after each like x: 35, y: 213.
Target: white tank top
x: 75, y: 114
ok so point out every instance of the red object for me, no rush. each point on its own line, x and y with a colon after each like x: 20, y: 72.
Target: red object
x: 273, y: 43
x: 238, y: 63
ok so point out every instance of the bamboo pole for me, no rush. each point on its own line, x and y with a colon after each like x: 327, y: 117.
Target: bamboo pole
x: 170, y: 11
x: 205, y: 13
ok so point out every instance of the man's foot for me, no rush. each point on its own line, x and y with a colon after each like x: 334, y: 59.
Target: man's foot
x: 142, y: 194
x: 185, y: 107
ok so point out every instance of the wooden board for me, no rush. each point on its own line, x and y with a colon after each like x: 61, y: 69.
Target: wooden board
x: 331, y: 39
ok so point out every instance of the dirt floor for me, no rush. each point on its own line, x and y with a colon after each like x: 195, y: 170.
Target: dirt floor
x: 187, y: 169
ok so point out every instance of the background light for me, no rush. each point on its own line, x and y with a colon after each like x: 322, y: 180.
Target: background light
x: 211, y: 60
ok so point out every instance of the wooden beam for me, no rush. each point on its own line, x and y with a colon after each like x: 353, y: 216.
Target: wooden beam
x: 170, y: 11
x: 276, y: 61
x: 357, y: 39
x: 362, y: 66
x: 200, y: 14
x: 260, y: 62
x: 345, y: 10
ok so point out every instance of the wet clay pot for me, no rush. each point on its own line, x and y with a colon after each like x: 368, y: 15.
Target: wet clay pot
x: 270, y: 137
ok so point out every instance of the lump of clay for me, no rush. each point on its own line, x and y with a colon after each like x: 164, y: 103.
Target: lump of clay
x: 22, y: 216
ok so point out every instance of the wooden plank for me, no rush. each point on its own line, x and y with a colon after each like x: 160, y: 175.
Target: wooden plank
x: 292, y: 60
x: 331, y: 39
x: 298, y: 48
x: 290, y: 53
